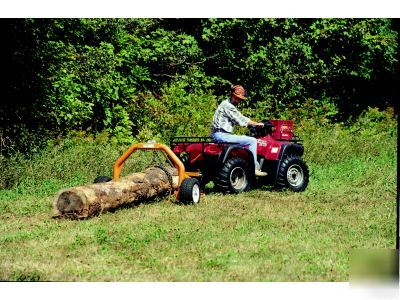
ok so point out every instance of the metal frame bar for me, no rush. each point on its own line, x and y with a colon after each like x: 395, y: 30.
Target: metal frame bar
x: 151, y: 146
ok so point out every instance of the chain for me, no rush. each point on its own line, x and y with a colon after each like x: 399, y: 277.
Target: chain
x: 169, y: 176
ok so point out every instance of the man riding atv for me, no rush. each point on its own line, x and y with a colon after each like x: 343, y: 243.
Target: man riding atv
x: 227, y: 116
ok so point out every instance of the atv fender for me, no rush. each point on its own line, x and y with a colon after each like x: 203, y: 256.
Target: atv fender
x: 225, y: 153
x: 272, y: 166
x: 288, y: 149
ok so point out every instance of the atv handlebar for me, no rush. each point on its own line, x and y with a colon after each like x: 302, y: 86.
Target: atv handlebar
x: 268, y: 128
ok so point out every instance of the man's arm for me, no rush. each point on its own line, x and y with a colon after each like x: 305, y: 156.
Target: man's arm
x: 255, y: 124
x: 234, y: 114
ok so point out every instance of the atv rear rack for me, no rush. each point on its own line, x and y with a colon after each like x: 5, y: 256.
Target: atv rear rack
x: 195, y: 139
x: 191, y: 139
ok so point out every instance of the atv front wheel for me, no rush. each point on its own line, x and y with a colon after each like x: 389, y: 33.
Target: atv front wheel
x: 189, y: 192
x: 293, y: 174
x: 234, y: 176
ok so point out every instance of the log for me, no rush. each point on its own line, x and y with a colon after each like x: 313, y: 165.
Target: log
x: 90, y: 200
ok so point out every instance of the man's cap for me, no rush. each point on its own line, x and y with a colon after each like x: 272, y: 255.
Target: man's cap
x: 238, y: 91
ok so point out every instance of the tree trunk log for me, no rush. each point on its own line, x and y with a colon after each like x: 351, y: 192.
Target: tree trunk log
x: 89, y: 200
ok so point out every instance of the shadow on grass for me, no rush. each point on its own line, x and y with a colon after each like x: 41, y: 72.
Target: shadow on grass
x: 258, y: 185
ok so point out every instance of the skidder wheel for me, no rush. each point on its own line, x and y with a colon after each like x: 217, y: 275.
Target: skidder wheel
x: 234, y: 176
x: 189, y: 192
x: 293, y: 174
x: 102, y: 179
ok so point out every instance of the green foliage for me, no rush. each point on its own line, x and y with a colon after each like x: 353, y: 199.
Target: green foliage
x: 375, y: 121
x: 59, y: 160
x: 155, y: 78
x: 366, y: 137
x: 193, y: 109
x: 287, y: 61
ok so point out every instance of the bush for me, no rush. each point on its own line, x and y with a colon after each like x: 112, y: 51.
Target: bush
x: 285, y: 62
x: 192, y: 110
x: 373, y: 133
x: 77, y: 158
x: 116, y: 74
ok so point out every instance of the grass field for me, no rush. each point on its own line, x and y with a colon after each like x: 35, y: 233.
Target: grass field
x: 261, y: 235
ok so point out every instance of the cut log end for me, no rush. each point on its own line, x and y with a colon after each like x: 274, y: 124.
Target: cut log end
x: 69, y: 202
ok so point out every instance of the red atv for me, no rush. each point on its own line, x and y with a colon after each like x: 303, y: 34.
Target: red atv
x: 231, y: 166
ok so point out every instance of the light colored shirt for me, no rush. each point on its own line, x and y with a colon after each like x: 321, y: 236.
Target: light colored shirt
x: 227, y: 116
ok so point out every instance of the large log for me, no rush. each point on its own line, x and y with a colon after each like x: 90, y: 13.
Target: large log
x: 90, y: 200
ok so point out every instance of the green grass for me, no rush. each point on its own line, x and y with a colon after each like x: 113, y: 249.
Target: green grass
x: 261, y: 235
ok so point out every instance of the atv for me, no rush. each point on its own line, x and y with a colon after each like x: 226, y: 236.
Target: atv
x: 231, y: 166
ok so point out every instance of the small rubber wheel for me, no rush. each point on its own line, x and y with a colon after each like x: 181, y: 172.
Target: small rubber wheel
x: 293, y: 174
x: 102, y: 179
x: 189, y: 192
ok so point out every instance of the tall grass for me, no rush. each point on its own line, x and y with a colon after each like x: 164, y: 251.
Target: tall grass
x: 262, y: 235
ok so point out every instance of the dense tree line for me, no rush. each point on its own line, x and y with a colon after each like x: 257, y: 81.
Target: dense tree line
x: 147, y: 78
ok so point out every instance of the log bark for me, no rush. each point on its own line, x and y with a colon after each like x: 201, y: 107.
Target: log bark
x: 90, y: 200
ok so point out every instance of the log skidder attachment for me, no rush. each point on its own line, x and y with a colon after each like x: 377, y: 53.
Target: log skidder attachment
x: 293, y: 174
x: 234, y: 176
x: 105, y: 194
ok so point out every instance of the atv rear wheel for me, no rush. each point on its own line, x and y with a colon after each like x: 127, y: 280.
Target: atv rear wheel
x: 293, y: 174
x: 102, y: 179
x: 189, y: 192
x: 234, y: 176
